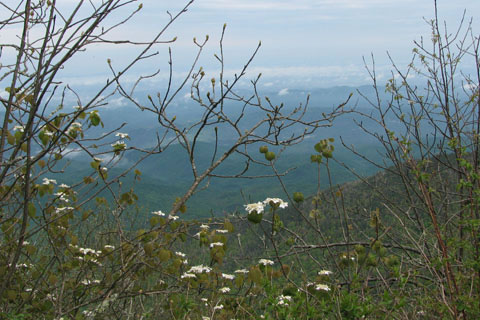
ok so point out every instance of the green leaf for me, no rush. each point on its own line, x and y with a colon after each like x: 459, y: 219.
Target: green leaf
x: 31, y: 210
x: 95, y: 119
x: 255, y: 275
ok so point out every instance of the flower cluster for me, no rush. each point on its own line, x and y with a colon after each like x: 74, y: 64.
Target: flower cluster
x: 61, y: 196
x: 158, y: 213
x: 216, y: 244
x: 228, y: 276
x: 324, y: 273
x: 200, y: 269
x: 122, y: 135
x: 119, y: 145
x: 47, y: 181
x: 224, y: 290
x: 85, y: 251
x: 87, y: 282
x: 284, y: 300
x: 180, y: 254
x: 74, y: 127
x: 258, y: 207
x: 276, y: 203
x: 19, y: 128
x: 244, y: 271
x: 266, y: 262
x: 88, y: 254
x: 322, y: 287
x: 319, y: 286
x: 62, y: 209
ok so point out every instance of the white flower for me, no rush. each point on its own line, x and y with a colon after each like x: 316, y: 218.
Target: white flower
x: 119, y: 145
x: 204, y: 299
x: 63, y: 185
x: 204, y: 226
x: 159, y: 213
x: 228, y: 276
x: 76, y: 126
x: 22, y: 265
x: 109, y: 247
x: 170, y: 217
x: 265, y: 262
x: 323, y: 287
x: 216, y: 244
x: 241, y: 271
x: 122, y: 135
x: 224, y: 290
x: 61, y: 197
x: 219, y: 307
x: 257, y: 207
x: 283, y: 300
x: 206, y: 318
x: 200, y: 269
x: 344, y: 256
x: 19, y: 128
x: 276, y: 202
x: 221, y: 231
x: 60, y: 210
x: 324, y: 273
x: 87, y: 282
x: 187, y: 275
x: 47, y: 181
x: 180, y: 254
x: 86, y: 251
x: 88, y: 313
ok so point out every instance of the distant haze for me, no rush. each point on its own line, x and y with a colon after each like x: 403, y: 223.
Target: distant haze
x: 305, y: 43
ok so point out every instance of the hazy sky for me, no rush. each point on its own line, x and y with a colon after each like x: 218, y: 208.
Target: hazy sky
x: 305, y: 43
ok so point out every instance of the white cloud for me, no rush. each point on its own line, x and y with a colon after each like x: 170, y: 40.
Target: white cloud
x: 283, y: 92
x: 117, y: 103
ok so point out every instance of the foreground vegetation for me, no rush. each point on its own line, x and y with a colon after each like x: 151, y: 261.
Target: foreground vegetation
x: 402, y: 244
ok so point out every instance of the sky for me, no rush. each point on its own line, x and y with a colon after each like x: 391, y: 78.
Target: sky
x: 305, y: 43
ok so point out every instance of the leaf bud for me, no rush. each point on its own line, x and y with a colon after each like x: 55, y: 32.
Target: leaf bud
x: 298, y: 197
x: 270, y: 155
